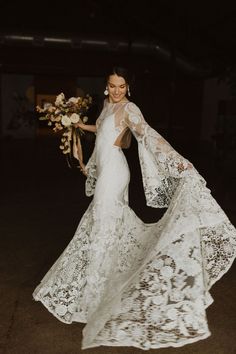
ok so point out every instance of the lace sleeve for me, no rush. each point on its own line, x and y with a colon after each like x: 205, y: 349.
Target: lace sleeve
x: 91, y: 167
x: 162, y: 167
x: 91, y: 171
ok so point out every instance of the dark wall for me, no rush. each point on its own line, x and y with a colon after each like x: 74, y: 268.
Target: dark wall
x: 173, y: 105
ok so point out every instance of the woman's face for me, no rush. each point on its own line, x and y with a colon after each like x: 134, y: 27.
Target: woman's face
x: 117, y: 88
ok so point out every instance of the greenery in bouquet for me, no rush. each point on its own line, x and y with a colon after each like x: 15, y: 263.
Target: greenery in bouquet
x: 63, y: 116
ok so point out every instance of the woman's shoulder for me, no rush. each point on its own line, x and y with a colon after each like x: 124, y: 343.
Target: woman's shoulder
x: 129, y: 106
x: 105, y: 102
x: 132, y: 108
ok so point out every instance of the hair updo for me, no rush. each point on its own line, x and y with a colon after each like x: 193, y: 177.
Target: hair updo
x: 122, y: 72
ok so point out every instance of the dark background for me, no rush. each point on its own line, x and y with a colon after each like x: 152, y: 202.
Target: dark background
x: 182, y: 55
x: 171, y: 47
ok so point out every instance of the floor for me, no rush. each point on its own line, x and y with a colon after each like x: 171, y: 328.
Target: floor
x: 42, y: 201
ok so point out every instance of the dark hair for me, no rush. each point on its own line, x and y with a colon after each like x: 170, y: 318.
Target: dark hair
x: 120, y: 71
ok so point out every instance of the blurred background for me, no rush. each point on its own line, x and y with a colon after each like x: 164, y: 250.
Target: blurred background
x: 183, y: 58
x: 181, y: 54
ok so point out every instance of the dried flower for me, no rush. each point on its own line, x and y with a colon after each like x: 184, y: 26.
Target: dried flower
x: 60, y: 99
x: 65, y: 121
x: 74, y: 100
x: 63, y: 115
x: 74, y: 118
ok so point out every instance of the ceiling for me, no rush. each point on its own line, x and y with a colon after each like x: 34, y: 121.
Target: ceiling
x: 201, y: 32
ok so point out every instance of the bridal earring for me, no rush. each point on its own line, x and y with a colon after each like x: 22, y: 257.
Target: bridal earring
x: 128, y: 91
x: 106, y: 92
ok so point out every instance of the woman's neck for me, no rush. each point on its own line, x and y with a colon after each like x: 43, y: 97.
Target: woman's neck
x: 121, y: 101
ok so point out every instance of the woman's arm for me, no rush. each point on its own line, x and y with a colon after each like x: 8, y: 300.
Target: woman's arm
x: 87, y: 127
x: 154, y: 142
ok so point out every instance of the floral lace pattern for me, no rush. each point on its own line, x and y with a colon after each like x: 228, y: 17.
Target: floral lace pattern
x: 161, y: 165
x: 132, y: 283
x: 91, y: 170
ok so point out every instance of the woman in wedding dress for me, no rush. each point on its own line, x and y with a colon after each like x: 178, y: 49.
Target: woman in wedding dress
x: 132, y: 283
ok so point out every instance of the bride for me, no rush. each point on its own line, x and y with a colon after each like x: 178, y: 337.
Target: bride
x: 133, y: 283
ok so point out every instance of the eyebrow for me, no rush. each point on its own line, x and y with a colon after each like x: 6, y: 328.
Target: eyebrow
x: 116, y: 85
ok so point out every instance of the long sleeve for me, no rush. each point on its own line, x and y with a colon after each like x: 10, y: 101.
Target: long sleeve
x: 162, y: 167
x: 91, y: 170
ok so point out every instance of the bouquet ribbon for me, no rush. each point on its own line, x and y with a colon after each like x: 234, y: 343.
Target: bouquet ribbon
x: 76, y: 146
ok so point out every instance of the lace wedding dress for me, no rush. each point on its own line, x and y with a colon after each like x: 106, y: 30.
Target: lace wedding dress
x: 132, y: 283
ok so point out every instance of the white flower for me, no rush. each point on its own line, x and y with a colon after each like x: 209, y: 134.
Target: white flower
x: 176, y: 295
x: 172, y: 314
x: 74, y: 118
x: 73, y: 291
x: 61, y: 293
x: 127, y: 304
x: 156, y: 285
x: 138, y: 331
x: 210, y: 251
x: 66, y: 151
x: 57, y: 119
x: 192, y: 267
x: 51, y: 109
x: 158, y: 263
x: 161, y: 157
x: 47, y: 301
x: 154, y: 316
x: 61, y: 310
x: 169, y: 326
x: 73, y: 99
x: 65, y: 121
x: 159, y: 299
x: 47, y: 105
x: 134, y: 119
x: 59, y: 99
x: 191, y: 320
x: 85, y: 119
x: 192, y: 292
x: 179, y: 280
x: 166, y: 271
x: 228, y: 248
x: 72, y: 308
x: 121, y: 334
x: 168, y: 261
x: 66, y: 134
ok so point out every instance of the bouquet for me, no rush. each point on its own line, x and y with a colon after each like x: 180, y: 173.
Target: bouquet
x: 63, y: 116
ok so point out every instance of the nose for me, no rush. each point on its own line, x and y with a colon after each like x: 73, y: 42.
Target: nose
x: 116, y: 90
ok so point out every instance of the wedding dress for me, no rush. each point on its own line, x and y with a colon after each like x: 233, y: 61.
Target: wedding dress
x: 132, y: 283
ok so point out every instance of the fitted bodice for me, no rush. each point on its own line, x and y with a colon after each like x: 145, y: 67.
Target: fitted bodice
x: 106, y: 152
x: 111, y: 127
x: 106, y: 132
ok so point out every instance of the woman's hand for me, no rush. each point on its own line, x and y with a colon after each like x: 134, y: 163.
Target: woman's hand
x: 80, y: 125
x: 87, y: 127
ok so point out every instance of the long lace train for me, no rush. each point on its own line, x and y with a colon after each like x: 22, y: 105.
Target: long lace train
x: 132, y: 283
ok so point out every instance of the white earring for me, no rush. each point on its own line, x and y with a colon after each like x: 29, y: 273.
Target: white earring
x: 106, y: 92
x: 128, y: 91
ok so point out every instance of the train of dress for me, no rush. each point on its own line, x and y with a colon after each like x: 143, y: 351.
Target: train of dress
x: 132, y: 283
